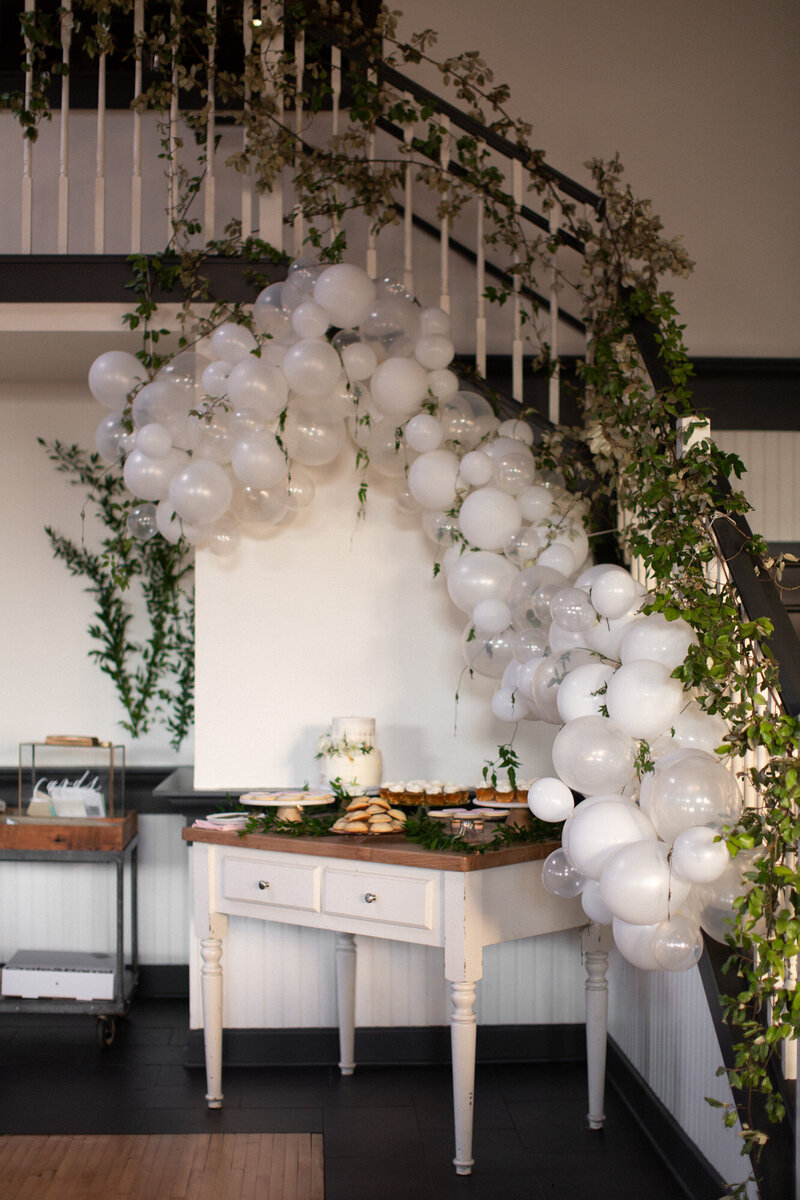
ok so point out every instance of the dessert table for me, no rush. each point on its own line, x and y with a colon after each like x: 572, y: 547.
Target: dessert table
x: 387, y: 887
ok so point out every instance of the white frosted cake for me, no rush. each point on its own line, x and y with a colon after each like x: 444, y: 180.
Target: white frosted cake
x: 348, y: 753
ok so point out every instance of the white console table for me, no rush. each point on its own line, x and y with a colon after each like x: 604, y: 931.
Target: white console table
x: 389, y: 889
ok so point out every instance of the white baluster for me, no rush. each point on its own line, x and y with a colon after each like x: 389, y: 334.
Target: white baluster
x: 480, y: 288
x: 172, y: 158
x: 300, y: 66
x: 554, y: 393
x: 516, y: 349
x: 247, y: 182
x: 595, y: 941
x: 136, y: 170
x: 270, y: 204
x: 100, y: 166
x: 210, y: 179
x: 26, y: 238
x: 346, y: 1000
x: 63, y: 155
x: 336, y: 96
x: 444, y: 244
x: 408, y: 216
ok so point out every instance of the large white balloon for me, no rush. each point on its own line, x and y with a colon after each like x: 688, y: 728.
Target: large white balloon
x: 346, y: 292
x: 643, y: 698
x: 582, y: 693
x: 398, y: 387
x: 258, y: 461
x: 654, y: 637
x: 594, y: 905
x: 149, y: 478
x: 636, y: 943
x: 311, y: 367
x: 312, y: 441
x: 694, y: 729
x: 638, y: 885
x: 488, y: 517
x: 113, y: 376
x: 700, y: 854
x: 201, y: 492
x: 232, y: 342
x: 693, y: 789
x: 478, y: 575
x: 424, y: 433
x: 594, y: 754
x: 254, y: 383
x: 613, y: 592
x: 432, y: 479
x: 598, y: 830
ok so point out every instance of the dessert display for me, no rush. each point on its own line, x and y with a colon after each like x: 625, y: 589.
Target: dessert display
x: 370, y: 815
x: 421, y: 792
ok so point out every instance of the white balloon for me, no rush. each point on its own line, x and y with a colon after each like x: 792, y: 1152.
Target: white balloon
x: 636, y: 943
x: 113, y: 376
x: 656, y: 638
x: 476, y: 468
x: 643, y: 698
x: 312, y: 441
x: 605, y: 637
x: 310, y: 320
x: 201, y: 492
x: 694, y: 789
x: 536, y: 502
x: 346, y: 292
x: 432, y: 478
x: 560, y: 877
x: 254, y: 383
x: 486, y: 654
x: 434, y: 321
x: 269, y: 315
x: 232, y: 342
x: 167, y: 522
x: 561, y: 640
x: 550, y: 800
x: 398, y: 386
x: 258, y: 461
x: 434, y: 351
x: 443, y: 384
x: 214, y: 380
x: 613, y: 592
x: 598, y: 830
x: 517, y: 429
x: 111, y: 438
x: 582, y: 693
x: 311, y: 367
x: 508, y: 704
x: 694, y: 729
x: 154, y: 440
x: 700, y: 854
x: 594, y: 905
x: 424, y: 433
x: 637, y: 884
x: 488, y: 517
x: 491, y: 616
x: 359, y: 361
x: 149, y: 478
x: 594, y: 754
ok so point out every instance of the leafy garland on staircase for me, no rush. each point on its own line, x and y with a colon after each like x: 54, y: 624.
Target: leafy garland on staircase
x: 629, y: 427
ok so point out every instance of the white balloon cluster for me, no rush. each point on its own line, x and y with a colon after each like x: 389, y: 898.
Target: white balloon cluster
x: 223, y: 442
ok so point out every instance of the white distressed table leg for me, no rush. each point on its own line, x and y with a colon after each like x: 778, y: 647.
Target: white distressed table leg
x: 211, y: 978
x: 595, y: 953
x: 463, y: 1032
x: 346, y: 999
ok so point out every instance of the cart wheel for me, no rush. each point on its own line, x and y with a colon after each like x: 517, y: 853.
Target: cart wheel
x: 106, y: 1029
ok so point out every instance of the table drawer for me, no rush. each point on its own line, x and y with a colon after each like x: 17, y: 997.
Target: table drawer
x: 272, y: 884
x: 406, y: 902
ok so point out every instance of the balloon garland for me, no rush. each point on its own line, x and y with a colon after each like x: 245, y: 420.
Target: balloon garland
x: 217, y: 446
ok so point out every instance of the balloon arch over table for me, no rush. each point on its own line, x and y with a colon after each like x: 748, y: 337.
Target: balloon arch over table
x: 219, y: 449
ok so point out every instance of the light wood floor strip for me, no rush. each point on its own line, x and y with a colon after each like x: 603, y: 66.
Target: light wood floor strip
x: 246, y: 1166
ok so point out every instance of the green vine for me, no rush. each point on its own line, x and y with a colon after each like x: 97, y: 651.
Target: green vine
x: 153, y: 676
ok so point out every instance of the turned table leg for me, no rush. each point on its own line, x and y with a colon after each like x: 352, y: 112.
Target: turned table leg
x: 463, y: 1031
x: 211, y: 978
x: 595, y: 954
x: 346, y: 999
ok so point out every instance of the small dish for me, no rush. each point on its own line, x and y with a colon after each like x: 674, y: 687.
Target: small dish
x: 470, y: 824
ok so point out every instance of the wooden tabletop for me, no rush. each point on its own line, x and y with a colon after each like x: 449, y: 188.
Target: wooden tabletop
x: 376, y: 848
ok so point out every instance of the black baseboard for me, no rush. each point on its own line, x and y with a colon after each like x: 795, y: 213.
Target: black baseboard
x: 163, y: 981
x: 412, y: 1045
x: 693, y: 1173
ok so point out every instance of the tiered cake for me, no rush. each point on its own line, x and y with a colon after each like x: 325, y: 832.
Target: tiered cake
x: 348, y: 754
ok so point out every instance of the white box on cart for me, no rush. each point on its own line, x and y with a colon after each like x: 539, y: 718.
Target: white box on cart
x: 61, y: 974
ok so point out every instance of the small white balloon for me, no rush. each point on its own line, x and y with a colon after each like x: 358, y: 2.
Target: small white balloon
x: 613, y: 592
x: 550, y: 800
x: 434, y: 351
x: 310, y: 320
x: 434, y: 321
x: 432, y: 478
x: 509, y: 705
x: 491, y: 616
x: 113, y: 376
x: 488, y: 517
x: 476, y: 468
x: 359, y: 361
x: 700, y: 854
x: 424, y: 433
x: 154, y: 440
x: 232, y: 342
x: 201, y: 492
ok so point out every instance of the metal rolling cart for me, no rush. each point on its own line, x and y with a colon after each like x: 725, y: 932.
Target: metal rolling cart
x: 111, y: 839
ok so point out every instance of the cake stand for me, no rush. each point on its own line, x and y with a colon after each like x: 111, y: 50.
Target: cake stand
x: 289, y: 804
x: 518, y: 811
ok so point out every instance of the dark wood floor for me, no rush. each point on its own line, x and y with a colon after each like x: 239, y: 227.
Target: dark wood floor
x: 387, y: 1130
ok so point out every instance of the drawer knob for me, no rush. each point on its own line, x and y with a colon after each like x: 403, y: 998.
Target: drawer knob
x: 370, y: 898
x: 263, y: 884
